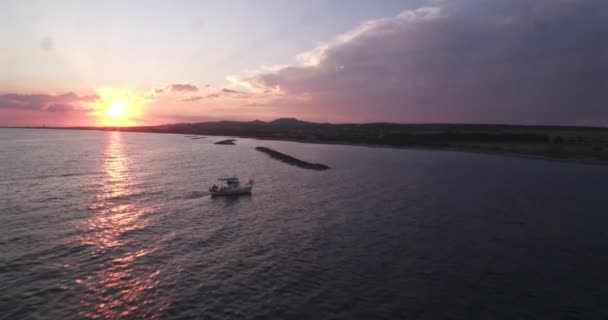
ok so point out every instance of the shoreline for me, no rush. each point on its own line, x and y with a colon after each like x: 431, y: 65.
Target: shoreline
x: 596, y: 162
x: 478, y: 150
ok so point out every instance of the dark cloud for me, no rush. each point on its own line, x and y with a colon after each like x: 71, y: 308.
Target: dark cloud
x: 226, y: 90
x: 60, y: 108
x: 176, y: 87
x: 185, y: 87
x: 44, y: 102
x: 212, y: 96
x: 192, y: 99
x: 542, y: 61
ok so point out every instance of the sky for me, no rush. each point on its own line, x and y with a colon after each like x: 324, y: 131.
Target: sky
x: 88, y: 63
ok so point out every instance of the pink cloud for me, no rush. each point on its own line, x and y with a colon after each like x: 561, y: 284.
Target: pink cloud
x: 44, y: 102
x: 192, y: 99
x: 176, y: 88
x: 67, y: 109
x: 183, y: 87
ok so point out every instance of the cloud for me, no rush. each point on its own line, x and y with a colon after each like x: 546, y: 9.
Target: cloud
x: 192, y: 99
x: 518, y: 61
x: 175, y: 88
x: 44, y: 102
x: 226, y: 90
x: 182, y: 87
x: 183, y: 93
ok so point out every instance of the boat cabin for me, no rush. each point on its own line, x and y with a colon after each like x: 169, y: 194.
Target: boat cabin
x: 230, y: 186
x: 226, y: 184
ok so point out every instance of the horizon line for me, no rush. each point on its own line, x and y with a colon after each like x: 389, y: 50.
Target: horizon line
x: 319, y: 123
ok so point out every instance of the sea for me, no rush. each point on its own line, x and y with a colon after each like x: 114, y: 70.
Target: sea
x: 116, y: 225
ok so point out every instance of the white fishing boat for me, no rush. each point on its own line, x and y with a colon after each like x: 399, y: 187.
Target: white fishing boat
x: 230, y: 187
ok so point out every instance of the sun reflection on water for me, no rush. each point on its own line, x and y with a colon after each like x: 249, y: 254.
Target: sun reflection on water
x: 115, y: 214
x: 121, y: 285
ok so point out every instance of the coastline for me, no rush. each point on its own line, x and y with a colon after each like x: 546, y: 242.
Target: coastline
x: 596, y: 162
x: 477, y: 149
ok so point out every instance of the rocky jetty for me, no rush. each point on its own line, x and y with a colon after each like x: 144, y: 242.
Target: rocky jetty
x: 227, y: 142
x: 291, y: 160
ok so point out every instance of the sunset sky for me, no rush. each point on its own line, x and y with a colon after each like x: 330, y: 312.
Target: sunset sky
x: 73, y: 63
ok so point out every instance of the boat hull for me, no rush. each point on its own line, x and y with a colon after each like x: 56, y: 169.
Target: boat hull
x: 232, y: 192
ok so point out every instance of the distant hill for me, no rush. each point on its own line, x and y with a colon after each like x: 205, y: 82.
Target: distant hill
x: 291, y: 122
x: 291, y: 128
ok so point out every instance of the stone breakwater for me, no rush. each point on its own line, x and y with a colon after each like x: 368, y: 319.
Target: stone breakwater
x: 226, y: 142
x: 291, y: 160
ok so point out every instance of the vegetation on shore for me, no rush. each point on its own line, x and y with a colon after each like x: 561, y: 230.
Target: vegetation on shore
x: 291, y: 160
x: 551, y: 142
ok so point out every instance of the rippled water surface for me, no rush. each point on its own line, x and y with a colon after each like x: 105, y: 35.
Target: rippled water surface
x: 109, y: 225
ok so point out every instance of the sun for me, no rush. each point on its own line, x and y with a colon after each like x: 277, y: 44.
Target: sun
x: 117, y: 109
